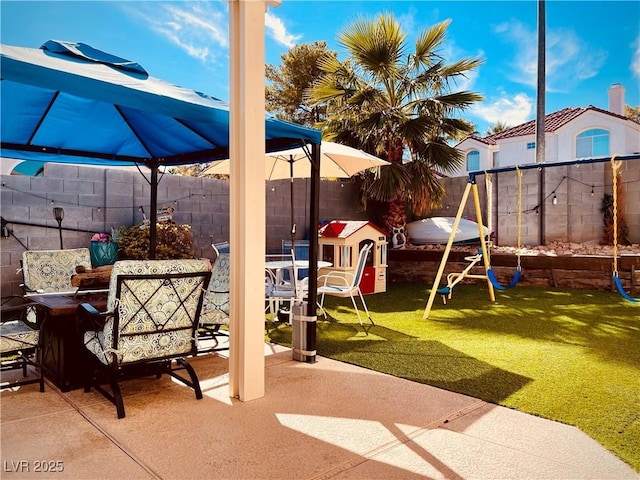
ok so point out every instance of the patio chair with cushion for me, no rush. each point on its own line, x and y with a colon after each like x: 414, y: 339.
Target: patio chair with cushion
x: 215, y: 307
x: 149, y: 325
x: 345, y: 284
x: 50, y: 271
x: 19, y: 341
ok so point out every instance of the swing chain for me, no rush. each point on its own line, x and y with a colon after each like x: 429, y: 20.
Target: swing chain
x: 489, y: 193
x: 519, y: 215
x: 614, y: 168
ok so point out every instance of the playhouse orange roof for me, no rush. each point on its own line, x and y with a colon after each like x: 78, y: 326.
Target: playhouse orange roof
x: 344, y: 229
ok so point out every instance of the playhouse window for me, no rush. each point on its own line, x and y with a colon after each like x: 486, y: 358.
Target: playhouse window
x: 345, y: 256
x: 327, y: 253
x: 383, y: 254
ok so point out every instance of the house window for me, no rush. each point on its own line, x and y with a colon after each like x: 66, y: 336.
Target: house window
x: 496, y: 159
x: 592, y: 143
x: 473, y: 161
x: 531, y: 145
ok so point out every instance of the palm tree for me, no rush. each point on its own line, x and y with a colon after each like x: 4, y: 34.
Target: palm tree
x: 497, y: 127
x: 398, y: 105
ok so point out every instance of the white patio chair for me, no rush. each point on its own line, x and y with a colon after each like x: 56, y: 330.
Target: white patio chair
x: 345, y: 284
x: 279, y: 289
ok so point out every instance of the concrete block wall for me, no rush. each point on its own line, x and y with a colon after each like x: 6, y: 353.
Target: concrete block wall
x: 630, y: 173
x: 575, y: 217
x: 97, y: 199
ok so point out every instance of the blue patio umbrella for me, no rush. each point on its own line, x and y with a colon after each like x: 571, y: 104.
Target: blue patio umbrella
x: 68, y: 102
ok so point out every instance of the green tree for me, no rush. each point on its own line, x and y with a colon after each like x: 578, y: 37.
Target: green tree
x: 298, y: 71
x: 632, y: 112
x: 398, y: 105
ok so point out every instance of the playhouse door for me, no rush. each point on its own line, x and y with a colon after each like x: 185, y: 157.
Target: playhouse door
x: 368, y: 282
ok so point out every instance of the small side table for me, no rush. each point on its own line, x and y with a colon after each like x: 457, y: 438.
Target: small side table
x: 61, y: 347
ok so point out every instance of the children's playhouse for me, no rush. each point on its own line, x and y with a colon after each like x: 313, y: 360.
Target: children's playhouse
x: 340, y: 243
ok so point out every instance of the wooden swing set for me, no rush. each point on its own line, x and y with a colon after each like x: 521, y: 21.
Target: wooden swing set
x: 483, y: 253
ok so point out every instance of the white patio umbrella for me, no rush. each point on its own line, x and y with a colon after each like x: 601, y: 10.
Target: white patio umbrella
x: 336, y: 161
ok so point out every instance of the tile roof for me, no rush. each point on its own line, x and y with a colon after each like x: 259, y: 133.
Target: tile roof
x: 552, y: 122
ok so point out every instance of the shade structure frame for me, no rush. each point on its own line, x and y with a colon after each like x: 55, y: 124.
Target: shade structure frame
x: 134, y: 103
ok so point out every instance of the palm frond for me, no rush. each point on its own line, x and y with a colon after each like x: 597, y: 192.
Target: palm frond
x: 429, y: 41
x: 378, y: 45
x: 426, y: 190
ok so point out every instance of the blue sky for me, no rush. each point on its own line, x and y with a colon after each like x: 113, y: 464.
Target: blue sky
x: 590, y: 44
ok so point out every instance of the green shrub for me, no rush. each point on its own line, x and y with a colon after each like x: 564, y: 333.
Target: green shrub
x: 172, y: 241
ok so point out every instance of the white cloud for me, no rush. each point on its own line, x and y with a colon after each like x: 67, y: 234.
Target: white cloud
x: 452, y: 53
x: 569, y: 59
x: 407, y: 21
x: 199, y: 22
x: 511, y: 111
x: 635, y: 58
x: 467, y: 82
x: 198, y: 28
x: 276, y: 29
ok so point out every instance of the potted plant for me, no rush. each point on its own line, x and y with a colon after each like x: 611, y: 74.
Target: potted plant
x: 104, y: 248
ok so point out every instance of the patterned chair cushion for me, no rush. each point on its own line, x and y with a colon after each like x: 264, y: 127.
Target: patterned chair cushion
x: 50, y: 271
x: 215, y: 308
x: 148, y: 311
x: 16, y: 336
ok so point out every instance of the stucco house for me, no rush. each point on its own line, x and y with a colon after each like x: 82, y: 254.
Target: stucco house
x: 571, y: 133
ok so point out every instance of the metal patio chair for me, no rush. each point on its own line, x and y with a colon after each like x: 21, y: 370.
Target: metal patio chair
x: 345, y: 284
x: 19, y: 341
x: 149, y: 326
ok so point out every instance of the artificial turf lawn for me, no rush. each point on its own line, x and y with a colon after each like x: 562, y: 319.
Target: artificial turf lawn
x: 567, y: 355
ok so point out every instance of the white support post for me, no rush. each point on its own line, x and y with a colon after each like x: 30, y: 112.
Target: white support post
x: 247, y: 198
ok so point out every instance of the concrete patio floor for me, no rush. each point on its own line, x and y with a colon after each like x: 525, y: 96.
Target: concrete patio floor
x: 317, y: 421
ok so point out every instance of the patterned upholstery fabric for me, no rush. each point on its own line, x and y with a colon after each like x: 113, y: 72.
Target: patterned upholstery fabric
x: 215, y: 308
x: 16, y: 336
x: 19, y: 340
x: 154, y: 317
x: 50, y: 271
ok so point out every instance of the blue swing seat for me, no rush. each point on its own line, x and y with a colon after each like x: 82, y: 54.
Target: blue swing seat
x: 616, y: 280
x: 498, y: 285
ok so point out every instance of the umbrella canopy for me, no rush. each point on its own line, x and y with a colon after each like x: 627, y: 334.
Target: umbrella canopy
x: 10, y: 166
x: 336, y: 161
x: 71, y: 103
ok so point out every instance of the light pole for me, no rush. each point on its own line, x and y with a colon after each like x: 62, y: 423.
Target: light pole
x: 58, y: 214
